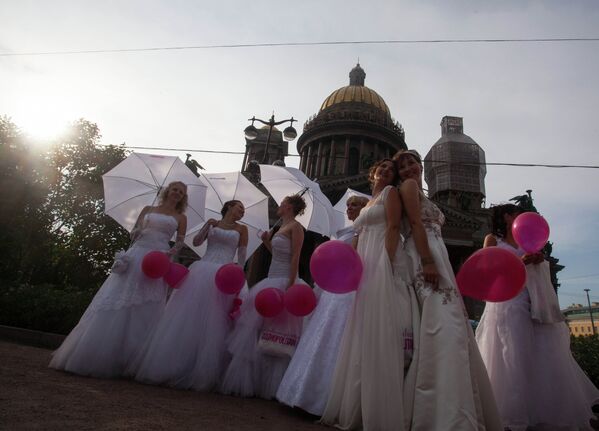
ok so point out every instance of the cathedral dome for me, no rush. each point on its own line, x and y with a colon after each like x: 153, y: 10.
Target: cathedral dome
x: 355, y: 92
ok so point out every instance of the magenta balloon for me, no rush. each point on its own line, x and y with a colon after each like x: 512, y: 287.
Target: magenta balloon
x: 531, y: 231
x: 155, y: 264
x: 175, y: 275
x: 230, y: 279
x: 300, y: 300
x: 492, y: 274
x: 336, y: 267
x: 269, y: 302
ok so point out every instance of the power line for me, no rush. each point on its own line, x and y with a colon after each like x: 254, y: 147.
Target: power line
x: 579, y: 277
x: 526, y: 165
x: 294, y: 44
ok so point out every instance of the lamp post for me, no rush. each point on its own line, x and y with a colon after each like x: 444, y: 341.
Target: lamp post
x: 251, y: 133
x: 590, y: 311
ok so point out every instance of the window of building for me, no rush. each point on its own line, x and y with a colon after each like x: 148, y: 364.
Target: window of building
x: 576, y: 329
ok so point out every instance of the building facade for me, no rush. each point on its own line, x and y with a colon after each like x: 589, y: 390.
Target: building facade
x: 578, y: 318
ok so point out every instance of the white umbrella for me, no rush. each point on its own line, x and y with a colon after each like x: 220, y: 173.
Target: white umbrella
x: 228, y: 186
x: 341, y: 220
x: 136, y: 182
x: 284, y: 181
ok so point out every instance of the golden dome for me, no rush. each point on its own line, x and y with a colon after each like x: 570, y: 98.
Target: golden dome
x: 355, y: 93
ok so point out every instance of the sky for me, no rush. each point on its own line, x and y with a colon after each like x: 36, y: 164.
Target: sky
x: 521, y: 102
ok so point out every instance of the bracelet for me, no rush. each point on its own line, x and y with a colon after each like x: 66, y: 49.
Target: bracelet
x: 426, y: 260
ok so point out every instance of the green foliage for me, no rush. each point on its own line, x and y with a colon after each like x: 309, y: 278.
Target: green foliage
x: 56, y: 244
x: 586, y: 352
x: 43, y: 307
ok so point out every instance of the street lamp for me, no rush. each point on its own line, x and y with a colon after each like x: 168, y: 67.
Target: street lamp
x: 590, y: 311
x: 251, y: 133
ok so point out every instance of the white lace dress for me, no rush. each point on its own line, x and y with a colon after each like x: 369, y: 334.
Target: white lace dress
x: 123, y: 313
x: 452, y: 387
x: 308, y: 378
x: 251, y: 372
x: 187, y: 348
x: 536, y: 381
x: 368, y: 390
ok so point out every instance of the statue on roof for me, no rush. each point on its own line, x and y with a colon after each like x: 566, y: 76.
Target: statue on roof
x: 525, y: 201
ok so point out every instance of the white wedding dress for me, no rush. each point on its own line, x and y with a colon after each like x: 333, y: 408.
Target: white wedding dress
x: 123, y: 313
x: 187, y: 348
x: 250, y: 371
x: 369, y: 386
x: 452, y: 387
x: 536, y: 381
x: 308, y: 378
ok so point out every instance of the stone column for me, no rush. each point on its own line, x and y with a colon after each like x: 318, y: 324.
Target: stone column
x: 361, y: 155
x: 319, y: 159
x: 331, y: 170
x: 346, y: 155
x: 309, y: 161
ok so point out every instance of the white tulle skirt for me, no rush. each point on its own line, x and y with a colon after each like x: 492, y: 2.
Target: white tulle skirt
x: 187, y: 348
x: 308, y: 378
x: 115, y: 326
x: 251, y: 372
x: 536, y: 381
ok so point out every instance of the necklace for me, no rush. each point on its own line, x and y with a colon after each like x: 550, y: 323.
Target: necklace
x: 228, y: 224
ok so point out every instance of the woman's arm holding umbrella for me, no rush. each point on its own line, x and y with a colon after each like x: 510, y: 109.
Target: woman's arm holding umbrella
x: 297, y: 239
x: 242, y: 245
x: 181, y: 231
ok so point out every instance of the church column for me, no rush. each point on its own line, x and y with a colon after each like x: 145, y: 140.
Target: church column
x: 303, y: 160
x: 332, y: 158
x: 309, y: 161
x: 376, y: 151
x: 346, y: 155
x: 361, y: 155
x: 319, y: 159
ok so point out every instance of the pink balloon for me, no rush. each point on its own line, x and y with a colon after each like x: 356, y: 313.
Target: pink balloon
x: 336, y: 267
x: 492, y: 274
x: 269, y: 302
x: 155, y: 264
x: 531, y: 231
x: 300, y: 300
x: 175, y: 275
x: 230, y: 279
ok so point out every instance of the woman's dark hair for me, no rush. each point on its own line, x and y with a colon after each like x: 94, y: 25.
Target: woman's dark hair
x: 498, y: 225
x: 228, y: 205
x: 298, y: 203
x: 377, y: 164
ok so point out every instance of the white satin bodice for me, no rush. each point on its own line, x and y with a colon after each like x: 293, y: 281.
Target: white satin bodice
x: 281, y: 256
x: 157, y: 230
x: 222, y: 245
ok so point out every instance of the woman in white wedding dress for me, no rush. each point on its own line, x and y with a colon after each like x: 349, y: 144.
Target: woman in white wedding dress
x: 187, y: 348
x: 308, y: 378
x: 125, y: 310
x: 525, y: 345
x: 367, y: 391
x: 452, y: 387
x: 253, y: 371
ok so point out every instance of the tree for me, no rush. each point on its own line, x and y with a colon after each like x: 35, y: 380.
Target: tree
x: 25, y: 239
x: 86, y: 237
